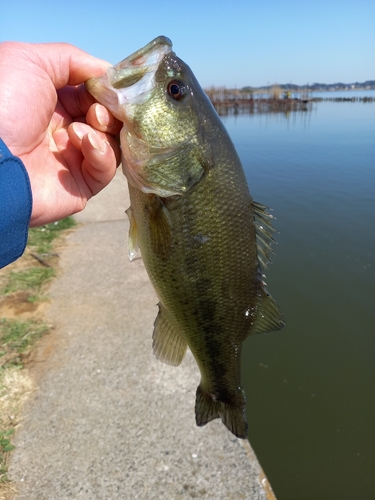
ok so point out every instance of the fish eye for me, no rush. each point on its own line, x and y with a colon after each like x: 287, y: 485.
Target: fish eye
x: 176, y: 89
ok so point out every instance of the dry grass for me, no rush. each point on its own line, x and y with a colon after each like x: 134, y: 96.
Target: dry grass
x: 22, y: 288
x: 15, y: 387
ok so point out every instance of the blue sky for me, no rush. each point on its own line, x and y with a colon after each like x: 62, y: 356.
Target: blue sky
x: 232, y: 43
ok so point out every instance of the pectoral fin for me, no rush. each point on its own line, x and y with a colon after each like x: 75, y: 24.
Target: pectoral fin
x: 160, y: 226
x: 168, y: 345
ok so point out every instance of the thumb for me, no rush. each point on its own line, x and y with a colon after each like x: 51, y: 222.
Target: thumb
x: 66, y: 64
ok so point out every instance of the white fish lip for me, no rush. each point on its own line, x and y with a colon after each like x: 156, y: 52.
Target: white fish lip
x: 131, y: 79
x: 156, y: 49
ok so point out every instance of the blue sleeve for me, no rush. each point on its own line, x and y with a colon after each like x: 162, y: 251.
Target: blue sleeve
x: 15, y: 206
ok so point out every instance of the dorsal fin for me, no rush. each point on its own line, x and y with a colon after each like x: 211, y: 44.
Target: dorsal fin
x: 268, y: 317
x: 264, y: 233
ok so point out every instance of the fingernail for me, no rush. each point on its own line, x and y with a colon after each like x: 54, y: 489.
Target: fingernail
x: 104, y: 118
x: 96, y: 142
x: 79, y: 131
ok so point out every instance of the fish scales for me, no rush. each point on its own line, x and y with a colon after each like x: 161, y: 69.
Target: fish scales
x: 194, y: 220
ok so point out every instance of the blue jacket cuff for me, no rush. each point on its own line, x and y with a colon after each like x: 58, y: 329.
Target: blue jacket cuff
x: 15, y: 206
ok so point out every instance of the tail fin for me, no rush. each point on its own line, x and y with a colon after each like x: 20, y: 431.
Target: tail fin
x: 233, y: 417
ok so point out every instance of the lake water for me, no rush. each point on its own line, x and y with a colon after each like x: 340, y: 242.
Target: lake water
x: 310, y: 388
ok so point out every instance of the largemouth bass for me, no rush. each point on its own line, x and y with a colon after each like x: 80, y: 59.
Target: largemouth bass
x: 205, y: 243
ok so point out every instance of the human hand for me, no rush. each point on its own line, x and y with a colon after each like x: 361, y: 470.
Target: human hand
x: 48, y: 119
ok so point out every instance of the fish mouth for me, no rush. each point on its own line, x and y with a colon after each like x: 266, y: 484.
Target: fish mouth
x: 131, y: 79
x: 146, y: 60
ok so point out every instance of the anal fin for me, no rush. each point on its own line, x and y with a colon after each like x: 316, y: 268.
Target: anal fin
x: 169, y: 346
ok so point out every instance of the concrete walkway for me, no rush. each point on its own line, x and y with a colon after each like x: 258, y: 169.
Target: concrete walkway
x: 109, y: 421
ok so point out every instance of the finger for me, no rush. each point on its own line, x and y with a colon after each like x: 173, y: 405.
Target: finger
x: 77, y: 132
x: 99, y: 164
x: 75, y: 100
x: 101, y: 119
